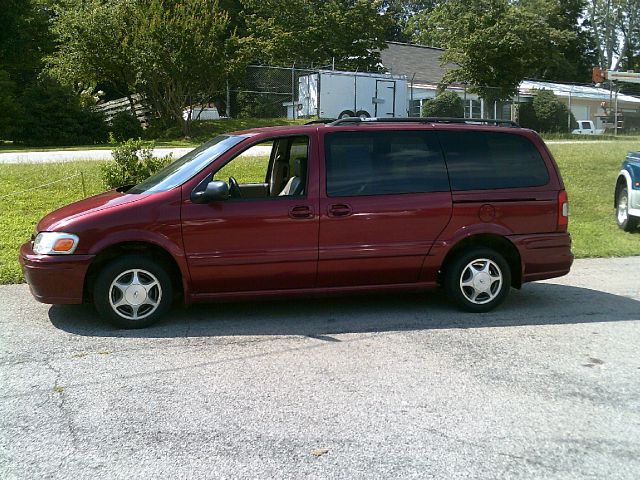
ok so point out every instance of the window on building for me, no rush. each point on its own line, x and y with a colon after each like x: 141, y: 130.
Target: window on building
x: 472, y: 109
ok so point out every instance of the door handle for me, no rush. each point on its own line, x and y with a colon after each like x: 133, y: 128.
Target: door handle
x: 340, y: 210
x: 301, y: 211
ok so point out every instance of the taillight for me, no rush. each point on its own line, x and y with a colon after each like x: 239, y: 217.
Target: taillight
x: 563, y: 211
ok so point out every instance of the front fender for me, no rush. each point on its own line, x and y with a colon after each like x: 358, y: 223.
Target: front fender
x: 171, y: 243
x: 624, y: 174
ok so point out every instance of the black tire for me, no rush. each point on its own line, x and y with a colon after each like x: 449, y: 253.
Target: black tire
x: 626, y: 222
x: 363, y: 114
x: 460, y: 270
x: 156, y: 298
x: 345, y: 114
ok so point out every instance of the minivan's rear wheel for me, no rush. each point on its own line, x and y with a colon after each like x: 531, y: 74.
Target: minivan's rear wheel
x: 132, y: 292
x: 478, y: 280
x: 625, y: 221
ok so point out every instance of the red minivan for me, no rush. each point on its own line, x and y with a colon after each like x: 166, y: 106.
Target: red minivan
x: 355, y: 205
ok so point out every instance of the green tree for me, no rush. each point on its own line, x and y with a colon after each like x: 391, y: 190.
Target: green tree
x: 94, y: 45
x: 572, y: 59
x: 177, y: 53
x: 183, y: 54
x: 316, y: 32
x: 9, y: 106
x: 34, y: 108
x: 25, y: 38
x: 400, y: 13
x: 493, y: 43
x: 615, y: 25
x: 445, y: 104
x: 51, y: 114
x: 546, y: 114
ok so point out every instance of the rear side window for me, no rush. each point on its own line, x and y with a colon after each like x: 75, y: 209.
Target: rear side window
x: 491, y: 160
x: 384, y: 163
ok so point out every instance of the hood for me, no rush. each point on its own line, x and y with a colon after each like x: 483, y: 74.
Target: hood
x: 57, y: 219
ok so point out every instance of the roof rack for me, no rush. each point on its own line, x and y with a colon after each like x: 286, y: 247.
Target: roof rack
x: 467, y: 121
x: 321, y: 120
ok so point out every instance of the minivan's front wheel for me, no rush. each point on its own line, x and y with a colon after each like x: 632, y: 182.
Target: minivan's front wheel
x: 625, y: 221
x: 478, y: 280
x: 132, y: 292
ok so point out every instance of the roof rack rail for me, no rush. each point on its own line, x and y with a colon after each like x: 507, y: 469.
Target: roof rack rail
x: 467, y: 121
x: 321, y: 121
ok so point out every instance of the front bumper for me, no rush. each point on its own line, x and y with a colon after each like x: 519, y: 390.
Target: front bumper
x: 56, y: 279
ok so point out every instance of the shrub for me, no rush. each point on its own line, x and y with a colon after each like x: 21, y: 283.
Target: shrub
x: 545, y: 114
x: 52, y: 115
x: 125, y: 126
x: 133, y: 162
x: 446, y: 104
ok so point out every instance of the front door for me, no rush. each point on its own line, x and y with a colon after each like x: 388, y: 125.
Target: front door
x: 385, y: 200
x: 265, y: 236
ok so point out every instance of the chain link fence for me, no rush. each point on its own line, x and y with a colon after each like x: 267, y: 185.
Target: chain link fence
x: 301, y: 93
x: 270, y: 92
x: 324, y: 93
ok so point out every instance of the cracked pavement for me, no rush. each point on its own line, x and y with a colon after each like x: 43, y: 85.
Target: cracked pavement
x: 385, y: 386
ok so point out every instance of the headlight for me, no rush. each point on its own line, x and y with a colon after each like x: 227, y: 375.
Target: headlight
x: 55, y: 243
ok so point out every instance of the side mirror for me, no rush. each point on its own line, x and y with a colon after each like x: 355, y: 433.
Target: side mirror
x: 216, y: 190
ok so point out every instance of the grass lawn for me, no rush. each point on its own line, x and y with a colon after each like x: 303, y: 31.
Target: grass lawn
x: 19, y: 212
x: 589, y: 172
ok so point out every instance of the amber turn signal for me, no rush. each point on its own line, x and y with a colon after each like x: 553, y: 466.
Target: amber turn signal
x: 63, y: 245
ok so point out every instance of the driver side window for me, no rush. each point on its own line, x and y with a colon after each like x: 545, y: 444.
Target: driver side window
x: 250, y: 166
x: 271, y: 169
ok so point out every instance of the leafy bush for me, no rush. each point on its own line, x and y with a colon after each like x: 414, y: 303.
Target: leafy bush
x: 133, y: 162
x: 125, y: 126
x: 446, y: 104
x: 52, y: 115
x: 545, y: 114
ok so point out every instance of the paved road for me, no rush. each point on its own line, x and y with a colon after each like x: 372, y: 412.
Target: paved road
x: 371, y: 387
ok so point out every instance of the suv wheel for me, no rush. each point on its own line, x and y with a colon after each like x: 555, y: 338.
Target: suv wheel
x: 478, y: 280
x: 133, y: 292
x: 625, y: 221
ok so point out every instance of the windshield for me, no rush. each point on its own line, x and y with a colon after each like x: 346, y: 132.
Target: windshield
x: 187, y: 166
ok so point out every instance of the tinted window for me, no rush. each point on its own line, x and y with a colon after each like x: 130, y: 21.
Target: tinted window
x: 379, y: 163
x: 489, y: 160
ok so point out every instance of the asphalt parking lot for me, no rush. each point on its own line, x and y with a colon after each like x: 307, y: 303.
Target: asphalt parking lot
x: 398, y: 386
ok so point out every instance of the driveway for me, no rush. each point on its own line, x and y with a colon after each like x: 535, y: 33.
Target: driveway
x: 397, y: 386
